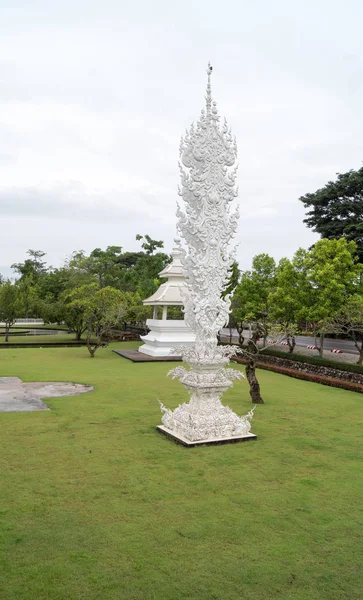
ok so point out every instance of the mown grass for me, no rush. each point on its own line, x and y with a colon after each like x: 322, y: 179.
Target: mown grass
x: 96, y: 505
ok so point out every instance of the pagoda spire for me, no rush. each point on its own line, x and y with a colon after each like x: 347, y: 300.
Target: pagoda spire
x: 208, y: 98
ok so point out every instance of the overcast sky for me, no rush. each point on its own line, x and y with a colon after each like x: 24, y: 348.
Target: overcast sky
x: 94, y: 97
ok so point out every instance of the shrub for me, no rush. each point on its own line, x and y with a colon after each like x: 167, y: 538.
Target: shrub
x: 322, y: 362
x: 323, y: 379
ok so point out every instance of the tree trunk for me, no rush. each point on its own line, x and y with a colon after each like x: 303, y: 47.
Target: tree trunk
x: 360, y: 350
x: 292, y: 343
x: 7, y: 327
x: 241, y: 339
x: 253, y: 383
x: 321, y: 349
x: 95, y: 341
x: 92, y: 348
x: 230, y: 335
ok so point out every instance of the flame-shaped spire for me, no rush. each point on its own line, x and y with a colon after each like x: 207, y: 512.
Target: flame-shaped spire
x: 207, y: 225
x: 208, y: 98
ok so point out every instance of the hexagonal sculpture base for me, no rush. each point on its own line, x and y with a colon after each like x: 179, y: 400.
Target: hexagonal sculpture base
x: 210, y: 442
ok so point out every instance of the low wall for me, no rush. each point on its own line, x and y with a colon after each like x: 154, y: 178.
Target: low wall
x: 42, y: 345
x: 308, y: 372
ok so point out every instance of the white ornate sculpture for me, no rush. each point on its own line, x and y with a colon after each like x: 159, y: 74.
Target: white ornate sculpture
x: 208, y: 175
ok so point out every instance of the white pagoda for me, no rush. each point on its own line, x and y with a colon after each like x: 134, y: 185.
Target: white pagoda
x: 166, y: 333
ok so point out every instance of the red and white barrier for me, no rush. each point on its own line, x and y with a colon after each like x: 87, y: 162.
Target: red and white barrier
x: 284, y: 344
x: 271, y: 341
x: 335, y: 351
x: 312, y: 347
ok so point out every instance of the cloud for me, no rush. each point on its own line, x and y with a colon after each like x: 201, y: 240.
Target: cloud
x: 7, y: 159
x: 73, y: 201
x: 94, y: 98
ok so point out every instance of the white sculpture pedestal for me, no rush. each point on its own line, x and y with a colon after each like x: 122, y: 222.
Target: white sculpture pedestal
x: 204, y: 419
x: 164, y: 335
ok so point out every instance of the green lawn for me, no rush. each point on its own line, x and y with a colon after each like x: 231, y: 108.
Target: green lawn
x: 96, y: 505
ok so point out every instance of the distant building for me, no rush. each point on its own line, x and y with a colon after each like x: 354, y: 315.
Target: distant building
x: 166, y: 333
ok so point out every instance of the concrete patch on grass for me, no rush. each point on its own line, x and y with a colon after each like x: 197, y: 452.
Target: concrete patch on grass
x: 16, y: 396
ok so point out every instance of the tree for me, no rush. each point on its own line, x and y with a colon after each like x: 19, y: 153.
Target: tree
x: 251, y: 355
x: 54, y: 282
x: 149, y: 245
x: 144, y: 277
x: 286, y: 299
x: 238, y: 317
x: 128, y: 271
x: 9, y: 305
x: 332, y: 275
x: 33, y: 267
x: 336, y: 210
x: 101, y: 266
x: 102, y: 309
x: 349, y: 322
x: 251, y: 304
x: 252, y: 295
x: 28, y: 297
x: 136, y: 312
x: 75, y: 309
x: 52, y: 311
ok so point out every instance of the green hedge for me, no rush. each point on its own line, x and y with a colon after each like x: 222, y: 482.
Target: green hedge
x: 312, y: 360
x: 305, y: 375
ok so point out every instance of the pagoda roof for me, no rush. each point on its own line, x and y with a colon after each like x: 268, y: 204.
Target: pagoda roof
x: 169, y: 293
x: 175, y: 267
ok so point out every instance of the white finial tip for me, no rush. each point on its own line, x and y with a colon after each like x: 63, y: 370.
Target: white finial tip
x: 210, y: 69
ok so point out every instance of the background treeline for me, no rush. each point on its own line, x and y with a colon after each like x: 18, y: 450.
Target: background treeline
x: 318, y: 290
x: 61, y: 295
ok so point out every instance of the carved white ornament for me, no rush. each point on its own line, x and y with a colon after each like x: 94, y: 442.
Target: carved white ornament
x: 208, y: 175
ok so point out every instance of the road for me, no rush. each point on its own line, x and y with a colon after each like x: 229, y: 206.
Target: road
x: 304, y: 340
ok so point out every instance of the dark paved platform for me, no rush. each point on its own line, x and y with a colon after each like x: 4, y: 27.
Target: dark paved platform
x: 137, y: 356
